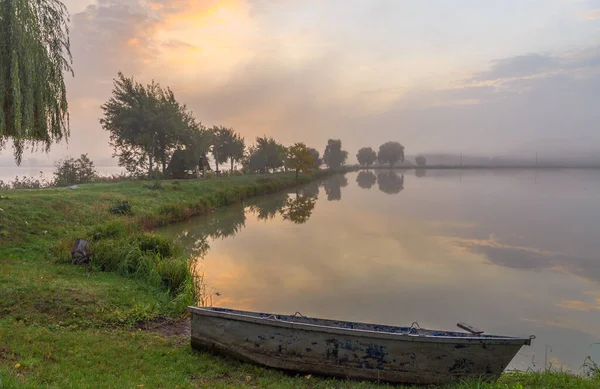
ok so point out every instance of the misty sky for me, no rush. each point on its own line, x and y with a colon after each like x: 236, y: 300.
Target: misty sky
x: 471, y: 76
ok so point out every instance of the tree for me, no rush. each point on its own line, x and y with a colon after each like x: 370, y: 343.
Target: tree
x: 227, y: 145
x: 173, y: 122
x: 34, y: 53
x: 421, y: 160
x: 390, y: 153
x: 300, y: 159
x: 267, y: 154
x: 316, y: 157
x: 221, y: 139
x: 197, y: 141
x: 334, y: 157
x: 71, y: 171
x: 366, y: 156
x: 366, y: 179
x: 237, y: 148
x: 146, y: 123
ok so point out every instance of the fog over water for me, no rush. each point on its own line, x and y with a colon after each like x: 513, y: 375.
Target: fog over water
x: 512, y: 252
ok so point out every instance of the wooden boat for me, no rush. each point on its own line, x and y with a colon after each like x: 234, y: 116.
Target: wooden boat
x: 408, y: 355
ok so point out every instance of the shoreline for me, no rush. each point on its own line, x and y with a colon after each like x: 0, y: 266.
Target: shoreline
x: 85, y: 327
x: 484, y: 167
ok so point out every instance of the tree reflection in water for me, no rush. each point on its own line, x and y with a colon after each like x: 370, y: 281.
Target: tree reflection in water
x: 298, y: 210
x: 366, y: 179
x: 267, y: 208
x: 333, y: 186
x: 311, y: 189
x: 225, y: 223
x: 390, y: 182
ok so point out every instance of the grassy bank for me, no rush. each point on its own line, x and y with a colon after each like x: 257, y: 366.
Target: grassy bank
x: 65, y: 326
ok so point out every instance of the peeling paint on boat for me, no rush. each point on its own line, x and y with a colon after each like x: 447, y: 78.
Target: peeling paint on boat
x: 352, y: 350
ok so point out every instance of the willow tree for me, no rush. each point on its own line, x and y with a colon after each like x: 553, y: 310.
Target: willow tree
x: 34, y: 53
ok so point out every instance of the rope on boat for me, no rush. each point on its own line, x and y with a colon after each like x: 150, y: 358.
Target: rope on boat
x: 298, y: 314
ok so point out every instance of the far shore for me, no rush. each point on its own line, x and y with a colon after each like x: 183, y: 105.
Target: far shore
x: 484, y: 167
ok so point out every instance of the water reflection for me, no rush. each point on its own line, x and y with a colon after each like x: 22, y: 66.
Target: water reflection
x: 529, y: 264
x: 366, y: 179
x: 298, y: 209
x: 420, y: 172
x: 195, y: 234
x: 267, y: 209
x: 333, y: 187
x: 390, y: 182
x: 311, y: 189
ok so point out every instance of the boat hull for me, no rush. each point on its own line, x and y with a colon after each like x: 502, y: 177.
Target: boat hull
x: 350, y: 353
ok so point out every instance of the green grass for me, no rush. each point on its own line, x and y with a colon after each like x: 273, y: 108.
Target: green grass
x: 65, y: 326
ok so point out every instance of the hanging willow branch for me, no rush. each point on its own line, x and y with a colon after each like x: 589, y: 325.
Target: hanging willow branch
x: 34, y: 53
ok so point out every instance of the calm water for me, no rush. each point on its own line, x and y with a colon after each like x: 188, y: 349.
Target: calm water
x: 511, y: 252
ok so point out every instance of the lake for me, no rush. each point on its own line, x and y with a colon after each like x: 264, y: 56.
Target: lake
x: 513, y: 252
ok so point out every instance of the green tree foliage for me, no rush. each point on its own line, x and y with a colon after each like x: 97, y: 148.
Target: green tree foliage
x: 227, y: 145
x: 70, y: 171
x: 300, y: 159
x: 334, y: 157
x: 266, y: 155
x: 316, y: 157
x: 34, y: 53
x: 221, y: 141
x: 146, y: 123
x: 390, y: 153
x: 197, y: 141
x: 238, y: 149
x: 366, y: 156
x: 421, y: 160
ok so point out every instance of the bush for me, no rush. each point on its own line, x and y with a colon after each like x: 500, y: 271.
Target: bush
x: 122, y: 208
x: 113, y: 178
x: 155, y: 244
x: 26, y: 183
x: 70, y: 171
x: 113, y: 229
x: 157, y: 185
x: 176, y: 185
x: 148, y: 257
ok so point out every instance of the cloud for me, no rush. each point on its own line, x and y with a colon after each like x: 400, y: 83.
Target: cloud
x: 109, y: 37
x: 176, y: 44
x: 519, y: 66
x: 527, y: 258
x: 578, y: 305
x: 589, y: 15
x: 258, y: 67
